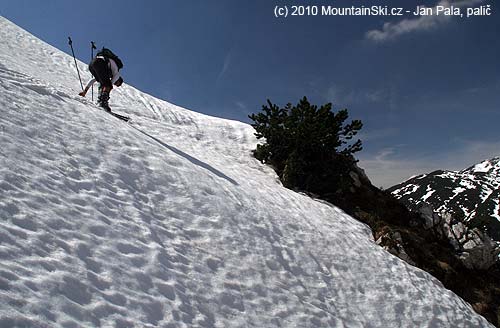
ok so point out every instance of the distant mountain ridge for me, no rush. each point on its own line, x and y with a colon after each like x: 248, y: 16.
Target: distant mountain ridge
x: 472, y: 194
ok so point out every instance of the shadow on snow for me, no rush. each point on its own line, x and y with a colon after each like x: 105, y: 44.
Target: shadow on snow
x: 190, y: 158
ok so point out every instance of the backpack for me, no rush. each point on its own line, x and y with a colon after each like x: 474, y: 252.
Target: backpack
x: 106, y: 53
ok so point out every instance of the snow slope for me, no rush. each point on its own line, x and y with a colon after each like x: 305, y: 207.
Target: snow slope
x: 170, y: 222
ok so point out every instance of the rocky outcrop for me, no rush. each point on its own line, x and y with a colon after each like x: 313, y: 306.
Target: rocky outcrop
x: 471, y: 195
x: 474, y: 248
x: 392, y: 241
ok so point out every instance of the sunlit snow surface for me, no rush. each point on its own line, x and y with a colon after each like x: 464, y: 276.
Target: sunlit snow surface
x: 170, y: 222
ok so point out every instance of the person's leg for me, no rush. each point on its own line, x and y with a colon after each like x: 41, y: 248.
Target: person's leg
x: 104, y: 98
x: 100, y: 70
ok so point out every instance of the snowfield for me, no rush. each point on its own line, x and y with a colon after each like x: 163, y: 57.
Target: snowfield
x: 169, y: 221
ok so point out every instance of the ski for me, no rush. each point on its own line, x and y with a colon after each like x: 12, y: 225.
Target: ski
x: 121, y: 117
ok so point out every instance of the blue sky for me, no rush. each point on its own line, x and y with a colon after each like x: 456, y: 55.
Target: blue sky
x: 426, y: 88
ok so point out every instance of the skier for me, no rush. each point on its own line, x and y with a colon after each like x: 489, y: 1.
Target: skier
x: 105, y: 68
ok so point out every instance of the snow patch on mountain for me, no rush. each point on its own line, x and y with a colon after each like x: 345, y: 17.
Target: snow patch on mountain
x: 428, y: 194
x: 483, y: 167
x: 496, y: 211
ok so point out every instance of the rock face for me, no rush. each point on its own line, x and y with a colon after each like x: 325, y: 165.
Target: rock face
x: 392, y: 241
x: 479, y: 252
x: 462, y: 206
x: 471, y: 196
x: 474, y: 247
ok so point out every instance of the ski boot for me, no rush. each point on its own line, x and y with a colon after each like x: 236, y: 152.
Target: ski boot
x: 103, y: 100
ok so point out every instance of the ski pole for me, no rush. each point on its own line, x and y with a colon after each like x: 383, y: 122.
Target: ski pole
x: 92, y: 57
x: 71, y: 45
